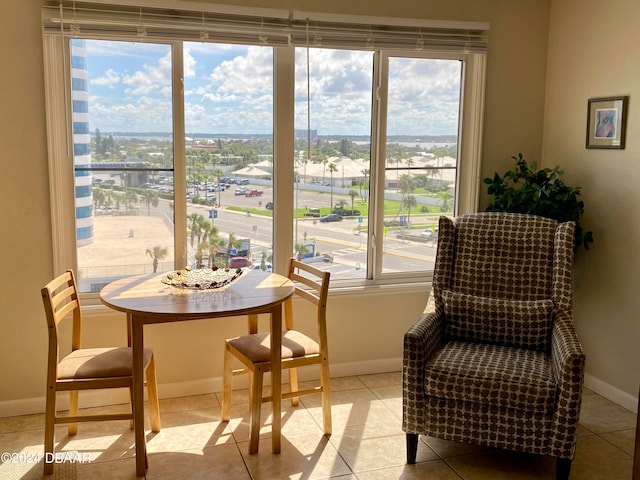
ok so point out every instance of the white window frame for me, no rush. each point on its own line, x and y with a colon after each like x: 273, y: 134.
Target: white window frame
x: 60, y: 150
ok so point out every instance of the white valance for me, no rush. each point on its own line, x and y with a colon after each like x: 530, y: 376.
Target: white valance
x: 270, y: 27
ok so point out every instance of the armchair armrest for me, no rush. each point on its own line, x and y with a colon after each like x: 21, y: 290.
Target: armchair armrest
x: 421, y: 341
x: 568, y: 360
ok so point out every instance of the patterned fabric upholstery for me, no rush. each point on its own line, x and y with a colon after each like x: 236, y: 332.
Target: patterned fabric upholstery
x: 482, y: 373
x: 494, y: 359
x: 513, y: 323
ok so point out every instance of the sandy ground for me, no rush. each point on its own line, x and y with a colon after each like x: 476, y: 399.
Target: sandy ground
x: 123, y: 240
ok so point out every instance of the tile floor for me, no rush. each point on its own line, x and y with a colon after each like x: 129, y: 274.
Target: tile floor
x: 367, y: 442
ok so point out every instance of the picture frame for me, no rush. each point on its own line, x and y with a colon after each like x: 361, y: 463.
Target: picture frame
x: 607, y: 122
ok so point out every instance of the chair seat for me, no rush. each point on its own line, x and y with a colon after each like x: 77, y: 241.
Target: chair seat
x: 255, y: 347
x: 99, y: 363
x: 492, y: 374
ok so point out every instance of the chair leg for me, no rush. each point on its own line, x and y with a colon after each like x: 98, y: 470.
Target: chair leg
x: 412, y: 447
x: 131, y: 405
x: 152, y: 391
x: 227, y: 378
x: 255, y: 408
x: 73, y: 411
x: 326, y: 397
x: 293, y: 386
x: 49, y: 429
x: 563, y: 468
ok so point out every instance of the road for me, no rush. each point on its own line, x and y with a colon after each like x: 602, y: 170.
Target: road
x: 337, y: 240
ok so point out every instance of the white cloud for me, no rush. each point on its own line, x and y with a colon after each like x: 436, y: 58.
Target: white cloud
x: 151, y: 78
x: 110, y: 79
x: 229, y: 89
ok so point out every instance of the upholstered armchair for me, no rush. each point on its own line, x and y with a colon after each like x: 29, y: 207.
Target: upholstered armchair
x: 494, y: 360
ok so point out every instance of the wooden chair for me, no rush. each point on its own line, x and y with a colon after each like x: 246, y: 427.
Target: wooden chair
x: 298, y: 350
x: 84, y: 369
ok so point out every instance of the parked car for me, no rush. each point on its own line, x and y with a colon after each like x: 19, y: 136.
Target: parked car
x: 253, y: 193
x: 242, y: 181
x: 239, y: 262
x: 332, y: 217
x: 313, y: 212
x: 240, y: 191
x: 430, y: 234
x: 347, y: 213
x: 269, y: 206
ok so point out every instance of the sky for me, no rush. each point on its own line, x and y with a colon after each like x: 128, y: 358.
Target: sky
x: 229, y: 89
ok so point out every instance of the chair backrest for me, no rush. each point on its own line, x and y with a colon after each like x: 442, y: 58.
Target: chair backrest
x: 317, y: 289
x: 495, y: 266
x: 504, y: 255
x: 60, y: 297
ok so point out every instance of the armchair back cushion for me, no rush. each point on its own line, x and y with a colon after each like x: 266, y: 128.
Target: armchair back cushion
x: 510, y: 323
x: 502, y: 256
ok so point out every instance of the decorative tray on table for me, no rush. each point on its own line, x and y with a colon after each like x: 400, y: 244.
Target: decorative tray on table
x: 202, y: 278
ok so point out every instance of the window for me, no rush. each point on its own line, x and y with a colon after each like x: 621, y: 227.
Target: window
x: 225, y: 138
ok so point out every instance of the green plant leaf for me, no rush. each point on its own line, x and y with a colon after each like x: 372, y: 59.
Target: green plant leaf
x: 525, y: 189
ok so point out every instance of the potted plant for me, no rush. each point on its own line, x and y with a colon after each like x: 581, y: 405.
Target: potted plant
x: 538, y: 192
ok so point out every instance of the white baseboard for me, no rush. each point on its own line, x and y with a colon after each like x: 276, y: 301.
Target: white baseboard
x: 612, y: 393
x: 27, y: 406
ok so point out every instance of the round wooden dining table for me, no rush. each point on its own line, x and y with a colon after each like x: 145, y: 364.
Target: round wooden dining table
x: 149, y: 299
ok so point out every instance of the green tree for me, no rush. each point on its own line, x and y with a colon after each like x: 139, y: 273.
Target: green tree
x: 99, y: 147
x: 301, y: 249
x: 345, y: 147
x: 353, y: 194
x: 365, y: 182
x: 409, y: 202
x: 99, y: 197
x: 215, y: 243
x: 195, y: 222
x: 332, y: 168
x: 234, y: 242
x: 405, y: 185
x: 156, y: 253
x: 340, y: 206
x: 447, y: 200
x: 149, y: 198
x: 130, y: 199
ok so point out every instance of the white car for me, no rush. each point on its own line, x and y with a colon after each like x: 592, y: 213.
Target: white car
x: 429, y: 234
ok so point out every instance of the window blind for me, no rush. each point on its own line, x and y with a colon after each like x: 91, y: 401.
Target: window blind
x: 277, y: 29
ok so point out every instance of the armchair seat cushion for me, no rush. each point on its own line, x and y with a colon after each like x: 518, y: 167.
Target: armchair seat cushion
x: 493, y: 375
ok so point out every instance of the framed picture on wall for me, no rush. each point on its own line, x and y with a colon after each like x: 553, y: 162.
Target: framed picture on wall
x: 607, y: 122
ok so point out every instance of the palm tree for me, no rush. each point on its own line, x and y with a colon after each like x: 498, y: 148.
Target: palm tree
x: 149, y: 198
x: 340, y: 207
x: 215, y: 244
x: 195, y: 225
x: 365, y: 173
x: 233, y: 242
x: 408, y: 202
x: 440, y: 153
x: 353, y: 194
x: 447, y: 198
x: 130, y: 199
x: 324, y: 167
x: 218, y: 173
x: 405, y: 185
x: 300, y: 250
x: 156, y: 253
x: 99, y: 197
x: 332, y: 168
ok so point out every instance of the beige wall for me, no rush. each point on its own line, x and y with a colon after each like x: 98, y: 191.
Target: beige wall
x: 592, y: 53
x: 366, y: 330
